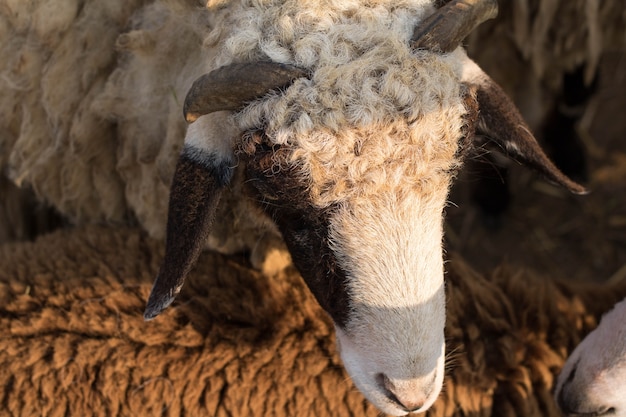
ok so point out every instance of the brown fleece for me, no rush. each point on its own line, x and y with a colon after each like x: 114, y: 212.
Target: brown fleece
x: 236, y: 343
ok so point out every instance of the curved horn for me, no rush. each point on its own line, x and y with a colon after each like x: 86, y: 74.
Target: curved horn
x: 500, y: 122
x: 230, y: 86
x: 444, y: 30
x: 199, y: 181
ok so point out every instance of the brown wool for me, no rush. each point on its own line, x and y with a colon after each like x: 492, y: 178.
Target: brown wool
x: 241, y: 343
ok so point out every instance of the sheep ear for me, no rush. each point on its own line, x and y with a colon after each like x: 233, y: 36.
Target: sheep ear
x: 199, y: 180
x: 500, y: 122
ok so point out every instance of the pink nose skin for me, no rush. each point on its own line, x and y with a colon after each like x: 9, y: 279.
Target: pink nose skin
x: 407, y: 399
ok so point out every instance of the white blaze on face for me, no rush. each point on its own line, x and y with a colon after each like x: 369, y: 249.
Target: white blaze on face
x: 393, y: 342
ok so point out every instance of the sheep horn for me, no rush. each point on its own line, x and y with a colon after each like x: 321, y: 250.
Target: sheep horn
x: 500, y: 122
x: 444, y: 30
x: 230, y: 86
x: 198, y: 183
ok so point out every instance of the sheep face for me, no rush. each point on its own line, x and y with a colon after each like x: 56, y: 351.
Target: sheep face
x: 374, y: 262
x: 352, y: 157
x: 592, y: 380
x: 356, y: 180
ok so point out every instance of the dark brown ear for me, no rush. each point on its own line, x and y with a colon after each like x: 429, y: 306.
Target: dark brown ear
x: 500, y: 122
x: 197, y: 186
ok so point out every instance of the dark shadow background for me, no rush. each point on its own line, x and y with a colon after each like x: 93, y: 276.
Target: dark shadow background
x: 545, y: 228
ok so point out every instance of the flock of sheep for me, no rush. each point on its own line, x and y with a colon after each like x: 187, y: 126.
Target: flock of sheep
x: 323, y: 138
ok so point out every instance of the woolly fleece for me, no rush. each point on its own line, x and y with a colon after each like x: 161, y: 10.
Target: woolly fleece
x: 240, y: 343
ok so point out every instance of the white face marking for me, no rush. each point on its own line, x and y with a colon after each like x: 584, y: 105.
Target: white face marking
x: 598, y: 365
x: 390, y: 247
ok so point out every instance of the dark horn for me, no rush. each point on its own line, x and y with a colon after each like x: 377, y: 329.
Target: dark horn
x: 501, y: 123
x: 230, y: 86
x: 444, y: 30
x: 198, y: 183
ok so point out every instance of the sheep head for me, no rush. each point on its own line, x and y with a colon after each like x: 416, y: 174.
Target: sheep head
x: 351, y: 148
x: 591, y: 381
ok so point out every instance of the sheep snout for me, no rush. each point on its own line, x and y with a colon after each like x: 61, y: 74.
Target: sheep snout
x: 573, y: 402
x: 396, y: 384
x: 591, y: 381
x: 403, y: 394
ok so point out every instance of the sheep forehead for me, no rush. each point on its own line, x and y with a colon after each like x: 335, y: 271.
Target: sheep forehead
x: 282, y: 28
x: 358, y: 163
x: 374, y: 114
x: 403, y: 249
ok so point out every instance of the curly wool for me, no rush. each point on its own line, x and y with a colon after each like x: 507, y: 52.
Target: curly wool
x: 365, y: 153
x: 374, y: 115
x: 241, y: 343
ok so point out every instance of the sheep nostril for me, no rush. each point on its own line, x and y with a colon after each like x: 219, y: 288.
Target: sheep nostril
x: 409, y: 402
x: 604, y: 412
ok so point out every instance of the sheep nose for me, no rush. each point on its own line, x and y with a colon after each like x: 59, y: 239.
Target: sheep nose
x: 408, y: 399
x: 574, y: 404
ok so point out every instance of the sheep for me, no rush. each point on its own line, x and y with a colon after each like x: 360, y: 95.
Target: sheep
x: 590, y: 382
x: 350, y: 128
x: 73, y: 341
x: 343, y: 125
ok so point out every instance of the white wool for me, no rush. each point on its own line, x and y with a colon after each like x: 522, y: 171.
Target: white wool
x: 144, y: 96
x: 370, y: 94
x: 54, y: 64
